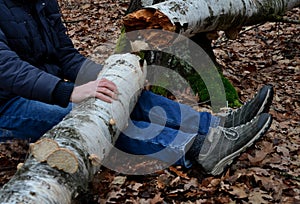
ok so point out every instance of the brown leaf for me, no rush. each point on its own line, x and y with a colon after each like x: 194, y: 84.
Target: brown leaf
x: 214, y: 182
x: 157, y: 199
x: 193, y: 182
x: 178, y: 172
x: 260, y: 171
x: 283, y: 150
x: 266, y: 182
x: 259, y: 196
x: 259, y: 156
x: 240, y: 191
x: 175, y: 181
x: 162, y: 181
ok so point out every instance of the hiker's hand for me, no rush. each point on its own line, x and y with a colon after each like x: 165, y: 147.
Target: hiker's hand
x: 102, y: 89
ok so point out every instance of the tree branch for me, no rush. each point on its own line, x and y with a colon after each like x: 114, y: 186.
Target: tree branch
x: 282, y: 19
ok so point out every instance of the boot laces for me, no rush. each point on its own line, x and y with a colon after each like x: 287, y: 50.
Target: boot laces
x: 230, y: 133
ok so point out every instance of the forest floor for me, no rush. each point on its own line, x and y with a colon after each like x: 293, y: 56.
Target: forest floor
x: 268, y: 172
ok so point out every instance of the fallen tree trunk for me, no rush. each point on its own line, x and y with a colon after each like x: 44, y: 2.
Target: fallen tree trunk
x: 199, y: 20
x: 190, y: 17
x: 77, y: 145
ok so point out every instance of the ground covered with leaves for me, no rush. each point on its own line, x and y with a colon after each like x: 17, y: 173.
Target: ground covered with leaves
x: 266, y: 173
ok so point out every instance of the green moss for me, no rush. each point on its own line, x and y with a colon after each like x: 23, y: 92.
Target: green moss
x: 231, y: 93
x: 197, y: 84
x: 186, y: 71
x: 159, y: 90
x: 199, y: 87
x: 122, y: 43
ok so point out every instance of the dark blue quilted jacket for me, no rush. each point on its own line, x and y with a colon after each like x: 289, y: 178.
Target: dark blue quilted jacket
x: 35, y: 53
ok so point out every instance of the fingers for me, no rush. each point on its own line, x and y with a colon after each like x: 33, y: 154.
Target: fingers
x: 108, y: 84
x: 106, y: 90
x: 104, y: 97
x: 102, y: 89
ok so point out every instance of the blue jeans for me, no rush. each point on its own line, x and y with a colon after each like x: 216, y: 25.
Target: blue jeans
x: 21, y: 118
x: 156, y: 123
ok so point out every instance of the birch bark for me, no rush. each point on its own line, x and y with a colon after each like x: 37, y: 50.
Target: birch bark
x: 200, y: 20
x: 189, y: 17
x: 83, y: 139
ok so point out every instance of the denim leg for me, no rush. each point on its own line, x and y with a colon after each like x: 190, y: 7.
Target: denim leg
x: 160, y: 110
x: 156, y: 141
x: 28, y: 119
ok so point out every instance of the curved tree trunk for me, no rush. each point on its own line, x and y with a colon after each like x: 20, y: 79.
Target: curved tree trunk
x: 189, y: 17
x: 204, y: 40
x: 77, y: 145
x: 199, y: 20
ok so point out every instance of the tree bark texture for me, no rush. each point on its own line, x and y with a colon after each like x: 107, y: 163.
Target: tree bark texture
x: 79, y: 142
x: 199, y: 20
x: 189, y: 17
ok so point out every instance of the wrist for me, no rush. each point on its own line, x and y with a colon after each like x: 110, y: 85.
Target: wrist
x: 62, y: 93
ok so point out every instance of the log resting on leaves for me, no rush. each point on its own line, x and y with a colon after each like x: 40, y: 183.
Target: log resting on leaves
x: 189, y: 17
x: 77, y: 145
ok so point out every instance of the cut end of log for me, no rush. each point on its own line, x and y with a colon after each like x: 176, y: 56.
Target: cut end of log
x: 147, y: 22
x: 147, y: 19
x: 43, y: 148
x: 63, y: 159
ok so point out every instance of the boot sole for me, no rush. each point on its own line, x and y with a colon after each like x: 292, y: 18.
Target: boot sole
x: 267, y: 103
x: 226, y: 161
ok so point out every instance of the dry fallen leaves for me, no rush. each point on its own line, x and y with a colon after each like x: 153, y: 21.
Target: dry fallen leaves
x: 267, y: 173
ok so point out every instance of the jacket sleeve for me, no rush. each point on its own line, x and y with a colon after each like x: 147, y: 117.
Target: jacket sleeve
x: 22, y: 79
x: 71, y: 60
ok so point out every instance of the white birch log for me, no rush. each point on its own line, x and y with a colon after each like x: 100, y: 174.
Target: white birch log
x: 83, y: 139
x: 189, y: 17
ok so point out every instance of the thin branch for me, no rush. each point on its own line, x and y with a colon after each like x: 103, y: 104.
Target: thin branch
x: 284, y: 20
x: 291, y: 21
x: 74, y: 21
x: 251, y: 28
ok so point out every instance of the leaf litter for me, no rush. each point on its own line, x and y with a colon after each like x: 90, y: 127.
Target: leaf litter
x: 269, y: 172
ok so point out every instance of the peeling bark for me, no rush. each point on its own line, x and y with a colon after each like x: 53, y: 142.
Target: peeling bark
x: 78, y: 144
x: 200, y: 20
x: 189, y: 17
